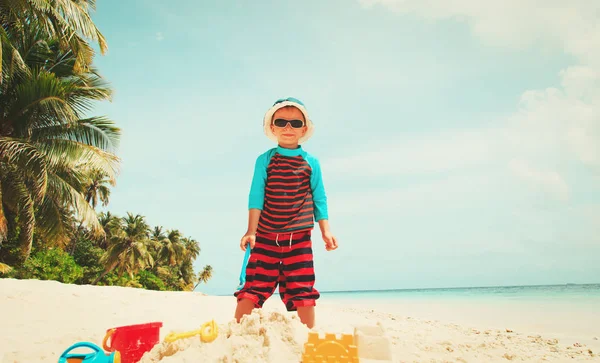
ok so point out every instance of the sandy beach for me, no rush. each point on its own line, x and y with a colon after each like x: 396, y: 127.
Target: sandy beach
x: 42, y: 318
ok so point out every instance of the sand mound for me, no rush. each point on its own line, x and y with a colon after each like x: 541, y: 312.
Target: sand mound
x: 260, y: 337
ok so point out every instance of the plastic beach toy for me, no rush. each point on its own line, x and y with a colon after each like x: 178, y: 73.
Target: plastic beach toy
x: 330, y: 349
x: 244, y: 264
x: 132, y: 340
x: 208, y: 332
x: 97, y: 356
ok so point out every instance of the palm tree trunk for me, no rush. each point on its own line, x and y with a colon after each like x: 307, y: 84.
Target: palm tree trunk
x: 3, y: 221
x: 105, y: 272
x: 75, y: 239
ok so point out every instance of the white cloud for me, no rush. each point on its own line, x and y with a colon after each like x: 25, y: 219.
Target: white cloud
x: 411, y: 154
x: 573, y: 26
x: 562, y: 120
x: 159, y: 36
x: 550, y: 127
x: 550, y: 181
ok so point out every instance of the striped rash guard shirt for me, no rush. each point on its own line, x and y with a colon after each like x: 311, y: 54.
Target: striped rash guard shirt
x: 287, y: 187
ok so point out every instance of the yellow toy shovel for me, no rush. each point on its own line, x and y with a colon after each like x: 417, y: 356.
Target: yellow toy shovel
x: 208, y: 332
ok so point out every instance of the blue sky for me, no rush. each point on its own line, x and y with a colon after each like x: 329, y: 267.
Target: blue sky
x: 459, y: 144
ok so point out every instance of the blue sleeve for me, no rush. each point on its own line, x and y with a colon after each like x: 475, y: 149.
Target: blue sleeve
x: 256, y: 198
x: 318, y: 190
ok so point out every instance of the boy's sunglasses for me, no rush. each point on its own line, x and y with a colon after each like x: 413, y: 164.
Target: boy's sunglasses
x: 283, y: 123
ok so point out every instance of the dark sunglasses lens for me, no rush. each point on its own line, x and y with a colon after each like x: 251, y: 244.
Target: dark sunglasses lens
x: 283, y: 123
x: 280, y: 122
x: 296, y: 124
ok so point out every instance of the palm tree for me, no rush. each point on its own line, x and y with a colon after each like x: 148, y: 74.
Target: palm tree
x: 109, y: 223
x: 45, y: 137
x: 158, y: 238
x: 128, y: 247
x: 192, y: 248
x: 68, y: 21
x: 186, y: 267
x: 172, y: 249
x: 204, y: 275
x: 96, y: 187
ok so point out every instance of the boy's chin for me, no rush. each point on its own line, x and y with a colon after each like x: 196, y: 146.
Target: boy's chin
x: 288, y: 140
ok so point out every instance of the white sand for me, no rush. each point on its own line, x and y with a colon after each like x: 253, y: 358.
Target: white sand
x: 40, y: 319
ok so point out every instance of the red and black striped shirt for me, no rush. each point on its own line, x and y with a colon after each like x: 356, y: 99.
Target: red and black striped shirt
x: 289, y: 191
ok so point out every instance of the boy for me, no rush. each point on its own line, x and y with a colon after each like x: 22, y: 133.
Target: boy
x: 286, y: 192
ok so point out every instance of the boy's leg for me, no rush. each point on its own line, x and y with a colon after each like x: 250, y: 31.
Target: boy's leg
x: 262, y: 273
x: 244, y: 307
x: 307, y: 315
x: 297, y: 264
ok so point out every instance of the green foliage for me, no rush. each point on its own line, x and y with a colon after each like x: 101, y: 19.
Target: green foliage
x: 57, y: 162
x: 150, y: 281
x: 87, y: 255
x: 50, y: 264
x: 112, y: 279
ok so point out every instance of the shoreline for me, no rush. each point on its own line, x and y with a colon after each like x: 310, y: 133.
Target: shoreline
x: 40, y: 327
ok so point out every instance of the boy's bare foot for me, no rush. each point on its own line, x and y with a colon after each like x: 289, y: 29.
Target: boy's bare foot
x: 307, y: 315
x: 244, y: 307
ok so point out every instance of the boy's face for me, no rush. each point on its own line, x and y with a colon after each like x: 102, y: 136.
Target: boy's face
x: 283, y: 123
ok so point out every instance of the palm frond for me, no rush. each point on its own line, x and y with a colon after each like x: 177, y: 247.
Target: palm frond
x: 29, y: 161
x: 13, y: 68
x: 2, y: 41
x: 54, y: 222
x: 19, y: 197
x: 84, y: 91
x: 95, y: 131
x: 39, y: 5
x: 62, y: 153
x: 41, y: 93
x: 4, y: 268
x: 79, y: 19
x: 3, y: 221
x: 60, y: 190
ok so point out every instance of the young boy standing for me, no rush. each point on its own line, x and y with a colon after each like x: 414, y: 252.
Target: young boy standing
x: 286, y: 198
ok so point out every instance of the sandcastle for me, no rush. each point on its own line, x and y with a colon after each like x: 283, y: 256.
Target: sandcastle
x: 368, y: 342
x: 373, y: 343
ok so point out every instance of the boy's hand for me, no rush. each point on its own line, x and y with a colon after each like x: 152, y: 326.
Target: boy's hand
x: 248, y: 238
x: 330, y: 241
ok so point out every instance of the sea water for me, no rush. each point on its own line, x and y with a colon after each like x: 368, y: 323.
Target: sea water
x: 559, y: 310
x: 567, y: 293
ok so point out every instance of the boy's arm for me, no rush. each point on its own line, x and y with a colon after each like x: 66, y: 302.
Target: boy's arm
x: 324, y: 226
x: 318, y: 191
x: 320, y: 205
x: 253, y: 217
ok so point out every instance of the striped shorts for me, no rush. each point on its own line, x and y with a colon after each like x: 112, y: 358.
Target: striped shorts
x: 283, y: 259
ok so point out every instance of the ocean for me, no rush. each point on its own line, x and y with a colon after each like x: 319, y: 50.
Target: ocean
x: 567, y: 293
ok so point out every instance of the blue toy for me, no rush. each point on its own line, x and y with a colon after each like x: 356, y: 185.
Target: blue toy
x: 244, y: 264
x: 98, y: 356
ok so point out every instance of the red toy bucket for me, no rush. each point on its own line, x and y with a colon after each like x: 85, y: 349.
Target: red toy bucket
x: 132, y: 341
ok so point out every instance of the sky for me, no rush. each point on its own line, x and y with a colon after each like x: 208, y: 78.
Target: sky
x: 459, y: 142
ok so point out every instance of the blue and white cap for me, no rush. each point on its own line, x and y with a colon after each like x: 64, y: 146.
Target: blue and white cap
x: 283, y: 102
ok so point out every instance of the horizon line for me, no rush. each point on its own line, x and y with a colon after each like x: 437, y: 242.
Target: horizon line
x: 449, y: 288
x: 461, y: 287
